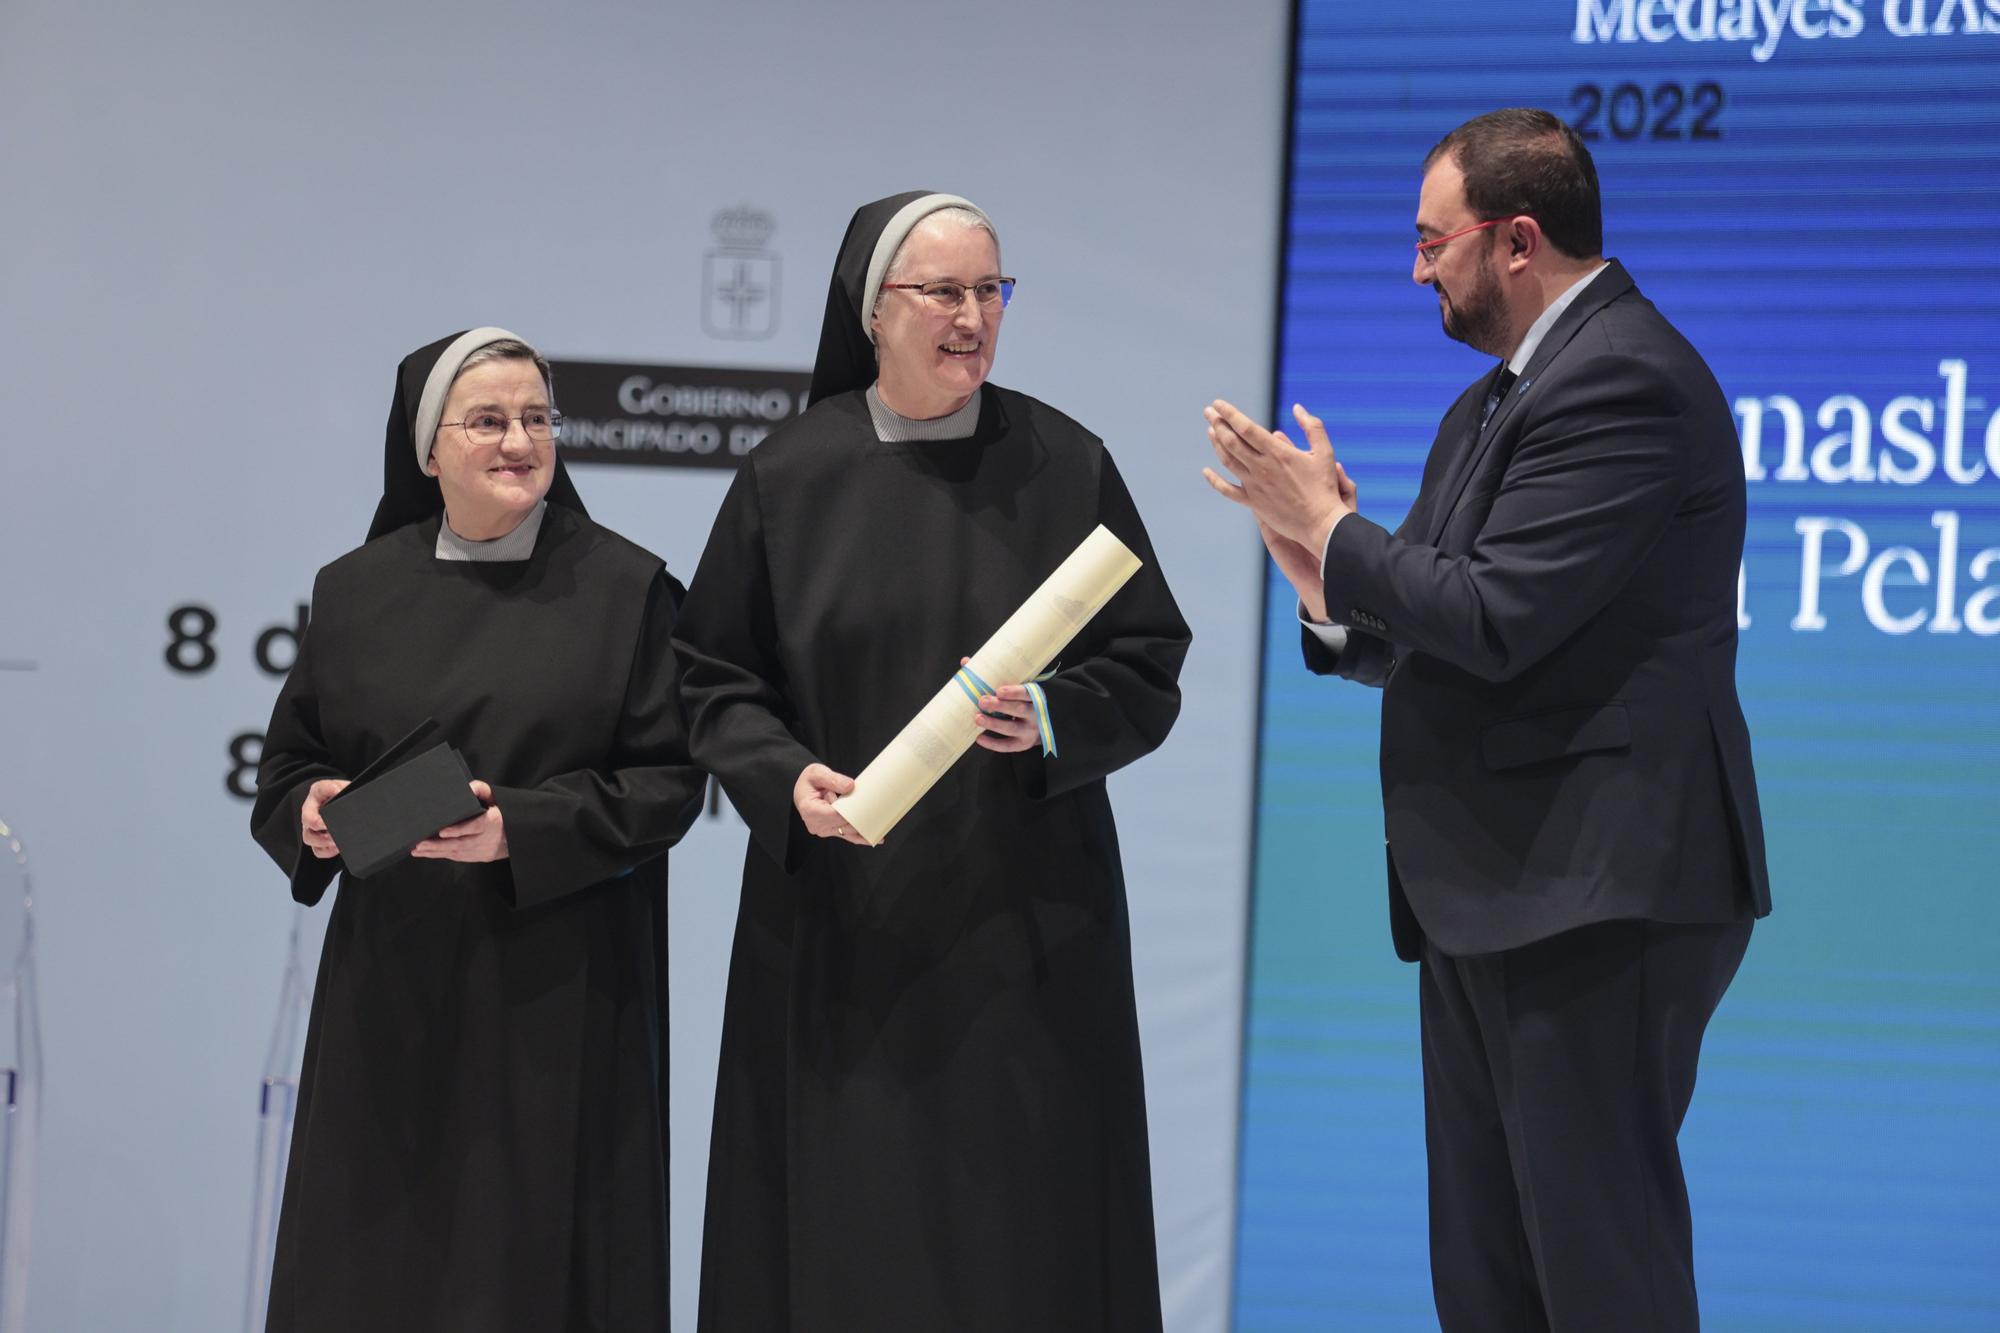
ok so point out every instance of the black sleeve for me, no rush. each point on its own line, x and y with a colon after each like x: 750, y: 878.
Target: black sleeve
x: 1118, y: 693
x: 294, y: 757
x: 1366, y: 660
x: 740, y: 726
x: 581, y: 828
x: 1586, y: 496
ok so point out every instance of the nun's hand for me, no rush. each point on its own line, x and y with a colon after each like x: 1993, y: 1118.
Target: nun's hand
x: 312, y: 829
x: 814, y: 794
x: 1006, y: 719
x: 480, y: 838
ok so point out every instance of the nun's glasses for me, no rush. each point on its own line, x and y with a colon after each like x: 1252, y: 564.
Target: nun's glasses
x: 491, y: 427
x: 949, y: 295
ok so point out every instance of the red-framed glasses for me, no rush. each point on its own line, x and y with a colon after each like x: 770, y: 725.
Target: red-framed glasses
x: 1427, y: 250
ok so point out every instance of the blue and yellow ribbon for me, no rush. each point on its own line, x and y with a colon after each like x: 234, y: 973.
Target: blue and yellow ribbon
x: 1042, y: 722
x: 976, y: 689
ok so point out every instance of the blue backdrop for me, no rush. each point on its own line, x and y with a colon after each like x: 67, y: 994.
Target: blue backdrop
x: 1810, y: 189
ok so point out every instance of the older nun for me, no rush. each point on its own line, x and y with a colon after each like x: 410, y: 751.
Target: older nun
x: 929, y: 1113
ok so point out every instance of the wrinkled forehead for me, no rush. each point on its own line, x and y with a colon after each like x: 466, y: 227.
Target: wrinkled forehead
x: 949, y: 246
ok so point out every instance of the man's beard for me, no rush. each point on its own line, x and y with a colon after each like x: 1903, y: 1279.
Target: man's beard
x: 1478, y: 317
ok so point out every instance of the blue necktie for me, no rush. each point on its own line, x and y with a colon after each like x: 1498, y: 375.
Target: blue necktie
x: 1496, y: 395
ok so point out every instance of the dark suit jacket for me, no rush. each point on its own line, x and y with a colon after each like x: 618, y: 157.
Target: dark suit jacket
x: 1554, y: 631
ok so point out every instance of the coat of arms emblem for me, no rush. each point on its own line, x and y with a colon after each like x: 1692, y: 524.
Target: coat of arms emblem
x: 739, y: 278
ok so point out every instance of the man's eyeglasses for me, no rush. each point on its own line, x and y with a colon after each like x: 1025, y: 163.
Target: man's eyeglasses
x: 491, y: 427
x: 948, y: 295
x: 1428, y: 250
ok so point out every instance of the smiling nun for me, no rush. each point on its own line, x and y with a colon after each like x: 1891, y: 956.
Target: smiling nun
x: 929, y: 1112
x: 481, y: 1139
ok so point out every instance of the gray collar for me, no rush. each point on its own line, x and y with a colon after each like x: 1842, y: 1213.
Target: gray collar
x: 516, y: 545
x: 893, y: 427
x: 1531, y: 341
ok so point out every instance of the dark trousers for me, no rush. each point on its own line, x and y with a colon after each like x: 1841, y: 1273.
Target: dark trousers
x: 1556, y: 1077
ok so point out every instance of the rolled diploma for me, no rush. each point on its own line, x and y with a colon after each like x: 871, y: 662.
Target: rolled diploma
x: 1019, y: 650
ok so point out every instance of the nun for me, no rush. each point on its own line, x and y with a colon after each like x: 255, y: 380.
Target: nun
x: 481, y: 1136
x: 929, y: 1109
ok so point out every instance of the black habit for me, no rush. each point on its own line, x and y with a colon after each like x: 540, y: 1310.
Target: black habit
x: 481, y: 1136
x: 929, y: 1111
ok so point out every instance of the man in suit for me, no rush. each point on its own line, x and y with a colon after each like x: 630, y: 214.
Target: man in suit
x: 1574, y: 845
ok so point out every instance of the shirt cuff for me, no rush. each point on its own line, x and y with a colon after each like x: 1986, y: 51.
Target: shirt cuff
x: 1332, y: 635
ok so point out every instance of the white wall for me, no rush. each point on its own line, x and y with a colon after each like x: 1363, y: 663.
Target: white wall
x: 226, y: 222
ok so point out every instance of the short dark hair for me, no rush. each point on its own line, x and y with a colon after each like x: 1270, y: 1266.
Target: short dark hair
x: 1522, y: 160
